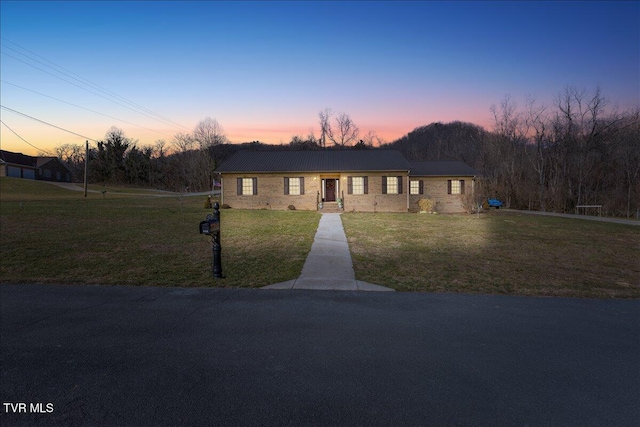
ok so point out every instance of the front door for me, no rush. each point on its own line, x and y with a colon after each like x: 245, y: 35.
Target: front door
x: 330, y: 190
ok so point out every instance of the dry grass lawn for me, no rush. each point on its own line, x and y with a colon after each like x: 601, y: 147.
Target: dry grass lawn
x: 53, y: 235
x: 497, y: 253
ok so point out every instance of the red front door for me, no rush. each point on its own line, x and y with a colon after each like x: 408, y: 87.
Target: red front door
x: 330, y: 190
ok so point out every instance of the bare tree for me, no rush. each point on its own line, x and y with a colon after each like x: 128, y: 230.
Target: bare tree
x: 159, y: 148
x: 585, y: 128
x: 628, y: 160
x: 183, y: 142
x: 507, y: 120
x: 538, y: 126
x: 209, y: 133
x: 73, y: 155
x: 346, y: 131
x: 325, y: 126
x: 371, y: 139
x: 507, y: 149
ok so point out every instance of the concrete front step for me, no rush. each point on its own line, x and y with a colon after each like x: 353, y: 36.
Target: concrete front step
x: 330, y: 207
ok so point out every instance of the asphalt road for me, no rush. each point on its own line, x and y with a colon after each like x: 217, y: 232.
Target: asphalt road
x: 98, y: 355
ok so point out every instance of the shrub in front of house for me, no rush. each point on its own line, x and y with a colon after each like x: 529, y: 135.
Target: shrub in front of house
x: 291, y: 208
x: 427, y: 205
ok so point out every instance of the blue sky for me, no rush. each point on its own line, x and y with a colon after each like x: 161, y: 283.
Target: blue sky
x: 265, y: 69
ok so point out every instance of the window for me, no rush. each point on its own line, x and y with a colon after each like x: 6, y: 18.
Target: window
x: 294, y: 186
x: 358, y: 185
x: 247, y: 186
x: 455, y: 186
x: 416, y: 187
x: 47, y: 173
x: 391, y: 185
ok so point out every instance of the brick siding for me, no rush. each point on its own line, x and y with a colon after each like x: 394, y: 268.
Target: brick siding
x: 436, y: 189
x: 271, y: 192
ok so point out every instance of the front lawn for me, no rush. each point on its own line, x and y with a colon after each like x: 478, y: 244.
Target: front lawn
x: 497, y: 253
x: 52, y: 235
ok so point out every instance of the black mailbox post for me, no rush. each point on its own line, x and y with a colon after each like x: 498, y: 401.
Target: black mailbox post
x: 211, y: 226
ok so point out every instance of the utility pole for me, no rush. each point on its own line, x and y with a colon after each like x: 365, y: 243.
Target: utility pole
x: 86, y: 165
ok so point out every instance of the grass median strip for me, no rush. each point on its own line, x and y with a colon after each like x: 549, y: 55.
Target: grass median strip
x: 497, y: 253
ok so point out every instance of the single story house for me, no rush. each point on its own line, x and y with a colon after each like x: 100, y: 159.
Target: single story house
x: 18, y: 165
x: 447, y: 183
x: 358, y: 180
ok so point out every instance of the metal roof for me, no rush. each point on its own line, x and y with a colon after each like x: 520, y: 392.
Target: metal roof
x: 315, y: 161
x: 442, y: 168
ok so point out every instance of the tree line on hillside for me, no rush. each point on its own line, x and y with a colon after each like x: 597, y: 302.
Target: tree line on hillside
x: 550, y: 158
x: 579, y: 151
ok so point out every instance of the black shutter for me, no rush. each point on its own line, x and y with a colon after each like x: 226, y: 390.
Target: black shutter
x: 399, y: 185
x: 255, y: 186
x: 384, y: 185
x: 301, y: 185
x: 462, y: 186
x: 350, y: 185
x: 448, y: 186
x: 286, y: 186
x: 239, y: 186
x: 421, y: 187
x: 366, y: 184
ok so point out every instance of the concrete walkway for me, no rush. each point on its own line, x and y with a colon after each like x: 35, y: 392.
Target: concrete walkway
x: 328, y: 265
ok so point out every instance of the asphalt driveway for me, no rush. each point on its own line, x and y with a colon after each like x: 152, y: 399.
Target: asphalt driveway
x: 96, y: 355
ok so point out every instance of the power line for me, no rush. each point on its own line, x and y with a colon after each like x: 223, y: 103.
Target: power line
x: 87, y: 82
x: 138, y: 108
x: 14, y: 132
x: 84, y: 108
x: 85, y: 89
x: 46, y: 123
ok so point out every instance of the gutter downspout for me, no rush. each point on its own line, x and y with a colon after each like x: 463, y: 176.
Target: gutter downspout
x: 221, y: 190
x: 408, y: 187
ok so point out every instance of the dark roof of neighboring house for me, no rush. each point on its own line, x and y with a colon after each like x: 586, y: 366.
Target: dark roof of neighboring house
x: 44, y: 160
x: 315, y: 161
x: 27, y: 161
x: 18, y: 159
x: 442, y: 168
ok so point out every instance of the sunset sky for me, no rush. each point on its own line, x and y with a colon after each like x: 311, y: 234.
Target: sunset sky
x: 265, y: 69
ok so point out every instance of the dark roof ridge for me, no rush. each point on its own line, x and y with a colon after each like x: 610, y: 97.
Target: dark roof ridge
x: 442, y: 168
x: 329, y: 160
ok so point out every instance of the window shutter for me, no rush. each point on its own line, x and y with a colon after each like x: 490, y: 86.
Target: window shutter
x: 462, y: 186
x: 421, y: 186
x: 239, y: 186
x: 301, y: 185
x: 286, y: 186
x: 399, y: 185
x: 255, y: 186
x: 448, y: 186
x: 366, y: 184
x: 350, y: 185
x: 384, y: 185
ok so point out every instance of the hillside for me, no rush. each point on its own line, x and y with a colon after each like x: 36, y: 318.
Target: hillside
x: 438, y: 141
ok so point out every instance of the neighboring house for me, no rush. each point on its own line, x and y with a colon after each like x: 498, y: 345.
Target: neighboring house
x: 364, y: 180
x: 18, y: 165
x: 445, y: 182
